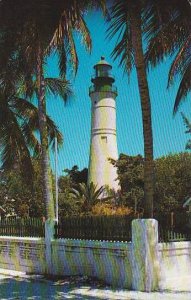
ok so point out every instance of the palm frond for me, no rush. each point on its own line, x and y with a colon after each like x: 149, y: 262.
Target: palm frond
x: 183, y: 89
x: 53, y: 132
x: 62, y: 57
x: 63, y: 39
x: 85, y: 33
x: 97, y: 4
x: 14, y: 148
x: 30, y: 138
x: 120, y: 26
x: 166, y: 28
x: 26, y: 87
x: 28, y: 113
x: 160, y: 46
x: 72, y: 50
x: 58, y: 87
x: 88, y: 194
x: 181, y: 61
x: 188, y: 130
x: 187, y: 123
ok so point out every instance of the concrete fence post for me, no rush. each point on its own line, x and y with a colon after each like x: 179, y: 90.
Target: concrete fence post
x: 145, y: 265
x: 49, y: 235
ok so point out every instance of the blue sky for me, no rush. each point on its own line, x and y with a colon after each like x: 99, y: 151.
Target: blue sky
x: 74, y: 119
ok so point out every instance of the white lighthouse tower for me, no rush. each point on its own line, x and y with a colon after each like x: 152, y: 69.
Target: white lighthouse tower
x: 103, y: 143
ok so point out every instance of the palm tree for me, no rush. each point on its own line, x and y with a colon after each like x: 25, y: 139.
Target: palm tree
x: 169, y: 34
x: 44, y: 26
x: 88, y: 195
x: 67, y: 24
x: 126, y: 21
x: 18, y: 141
x: 32, y: 38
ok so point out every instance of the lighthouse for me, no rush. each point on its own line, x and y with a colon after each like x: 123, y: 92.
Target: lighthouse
x: 103, y: 142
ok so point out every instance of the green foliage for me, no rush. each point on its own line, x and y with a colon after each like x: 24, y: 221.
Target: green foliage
x: 18, y: 126
x: 16, y: 197
x: 88, y: 195
x: 130, y: 174
x: 172, y: 188
x: 173, y: 182
x: 67, y: 204
x: 77, y: 176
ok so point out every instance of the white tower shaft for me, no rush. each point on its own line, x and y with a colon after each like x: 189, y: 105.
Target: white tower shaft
x: 103, y: 131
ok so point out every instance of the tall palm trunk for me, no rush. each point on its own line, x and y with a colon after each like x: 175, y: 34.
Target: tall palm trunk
x: 46, y: 178
x: 146, y: 110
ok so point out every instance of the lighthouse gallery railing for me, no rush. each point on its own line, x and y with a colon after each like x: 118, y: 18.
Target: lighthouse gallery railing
x: 112, y: 89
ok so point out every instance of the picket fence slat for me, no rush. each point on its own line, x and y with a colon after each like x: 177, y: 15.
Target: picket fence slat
x: 167, y: 234
x: 19, y: 227
x: 112, y: 228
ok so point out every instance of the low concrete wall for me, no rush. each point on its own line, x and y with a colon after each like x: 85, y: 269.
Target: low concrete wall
x: 108, y: 261
x: 23, y: 254
x: 175, y: 264
x: 143, y: 264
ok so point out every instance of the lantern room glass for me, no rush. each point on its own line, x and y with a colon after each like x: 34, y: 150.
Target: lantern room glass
x: 103, y: 71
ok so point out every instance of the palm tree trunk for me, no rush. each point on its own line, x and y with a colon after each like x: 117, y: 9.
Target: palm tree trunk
x: 46, y: 176
x: 146, y: 110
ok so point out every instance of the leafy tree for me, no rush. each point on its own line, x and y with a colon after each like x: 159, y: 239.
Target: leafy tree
x: 77, y: 176
x: 172, y: 188
x: 17, y: 197
x: 68, y: 206
x: 130, y: 173
x: 173, y: 182
x: 127, y: 22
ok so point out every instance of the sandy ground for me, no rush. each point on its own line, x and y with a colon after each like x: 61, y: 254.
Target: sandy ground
x: 18, y: 285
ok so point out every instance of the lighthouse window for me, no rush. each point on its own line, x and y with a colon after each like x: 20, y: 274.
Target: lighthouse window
x: 104, y: 139
x: 103, y: 71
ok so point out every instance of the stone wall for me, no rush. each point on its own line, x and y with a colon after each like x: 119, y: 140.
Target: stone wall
x: 175, y: 264
x: 107, y: 261
x: 143, y: 264
x: 22, y: 254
